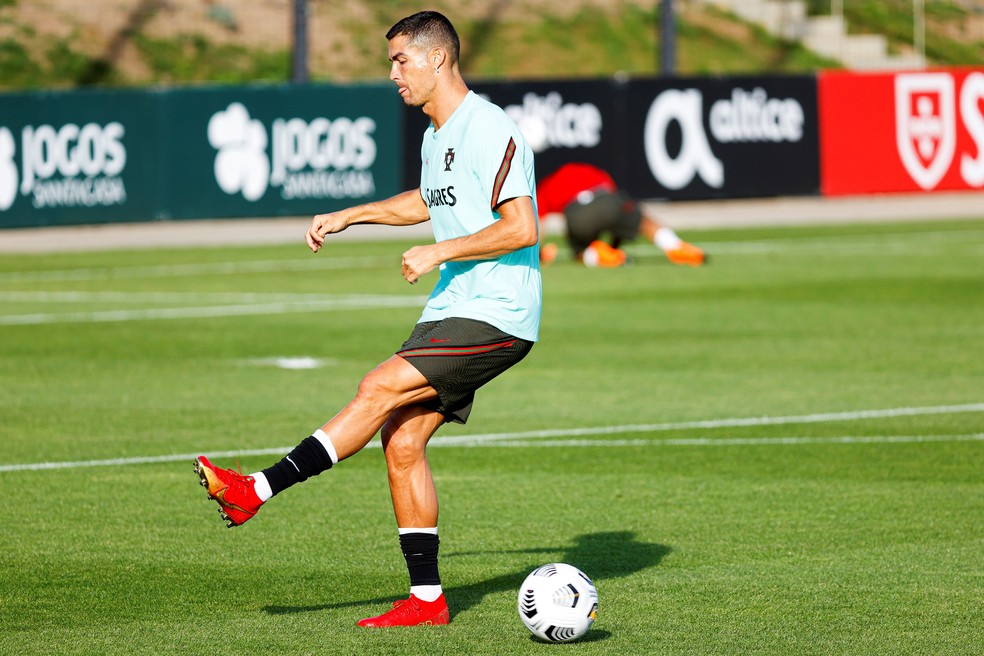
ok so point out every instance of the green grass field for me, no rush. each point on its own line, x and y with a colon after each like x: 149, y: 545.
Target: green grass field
x: 779, y: 453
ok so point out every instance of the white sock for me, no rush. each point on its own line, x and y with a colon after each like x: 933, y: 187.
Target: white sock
x: 261, y: 486
x: 326, y: 442
x: 590, y: 257
x: 666, y: 239
x: 426, y: 592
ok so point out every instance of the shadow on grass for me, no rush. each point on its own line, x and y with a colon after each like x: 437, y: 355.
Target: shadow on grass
x: 601, y: 556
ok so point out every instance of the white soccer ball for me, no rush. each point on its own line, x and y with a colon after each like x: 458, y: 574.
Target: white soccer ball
x: 558, y: 602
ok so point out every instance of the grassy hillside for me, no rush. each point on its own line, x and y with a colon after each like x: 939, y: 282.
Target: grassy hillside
x: 65, y: 43
x: 954, y: 30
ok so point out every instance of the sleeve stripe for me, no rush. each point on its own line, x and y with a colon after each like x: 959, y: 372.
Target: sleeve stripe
x: 500, y: 177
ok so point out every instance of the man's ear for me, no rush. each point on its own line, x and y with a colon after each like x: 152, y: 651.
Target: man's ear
x: 437, y: 58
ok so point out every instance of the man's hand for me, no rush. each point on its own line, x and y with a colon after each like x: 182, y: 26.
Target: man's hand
x: 407, y: 208
x: 321, y: 225
x: 418, y: 261
x: 516, y: 228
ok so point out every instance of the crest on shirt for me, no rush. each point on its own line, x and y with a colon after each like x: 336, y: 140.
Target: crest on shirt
x: 448, y: 159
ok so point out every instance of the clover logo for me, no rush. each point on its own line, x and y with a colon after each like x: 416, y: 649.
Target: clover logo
x: 242, y: 164
x: 8, y: 170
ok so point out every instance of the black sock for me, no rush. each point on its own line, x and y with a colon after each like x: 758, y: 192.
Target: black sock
x: 309, y: 458
x: 420, y: 550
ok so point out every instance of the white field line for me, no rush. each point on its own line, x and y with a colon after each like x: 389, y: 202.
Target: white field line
x: 886, y: 243
x: 736, y: 441
x: 355, y: 302
x: 535, y: 438
x: 199, y: 269
x: 879, y: 241
x: 835, y: 249
x: 144, y: 298
x: 716, y: 423
x: 236, y: 304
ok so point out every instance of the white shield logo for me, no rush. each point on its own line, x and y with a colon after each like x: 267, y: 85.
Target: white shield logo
x: 925, y: 125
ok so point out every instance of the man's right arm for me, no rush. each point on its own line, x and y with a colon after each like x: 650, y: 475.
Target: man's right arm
x: 403, y: 209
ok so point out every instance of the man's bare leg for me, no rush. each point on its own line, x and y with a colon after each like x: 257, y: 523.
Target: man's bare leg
x: 393, y: 384
x: 405, y: 436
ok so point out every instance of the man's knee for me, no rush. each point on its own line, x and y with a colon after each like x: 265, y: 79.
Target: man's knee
x: 393, y: 384
x: 377, y: 393
x: 371, y: 387
x: 402, y: 447
x: 389, y: 430
x: 405, y: 435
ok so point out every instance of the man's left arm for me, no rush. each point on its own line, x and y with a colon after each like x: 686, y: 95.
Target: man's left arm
x: 516, y: 228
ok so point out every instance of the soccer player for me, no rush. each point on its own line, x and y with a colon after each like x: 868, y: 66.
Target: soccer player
x: 477, y: 187
x: 593, y: 205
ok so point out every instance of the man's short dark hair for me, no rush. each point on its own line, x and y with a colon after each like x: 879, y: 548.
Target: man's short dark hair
x: 427, y: 30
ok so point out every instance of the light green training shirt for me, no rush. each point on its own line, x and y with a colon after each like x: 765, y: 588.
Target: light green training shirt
x: 476, y: 161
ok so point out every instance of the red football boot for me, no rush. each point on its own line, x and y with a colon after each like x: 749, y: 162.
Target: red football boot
x: 234, y: 492
x: 411, y: 612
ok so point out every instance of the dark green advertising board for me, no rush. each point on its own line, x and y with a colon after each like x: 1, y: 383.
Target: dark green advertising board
x: 103, y: 156
x: 283, y: 150
x: 82, y: 157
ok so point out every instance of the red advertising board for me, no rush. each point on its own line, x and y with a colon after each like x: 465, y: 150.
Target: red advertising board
x: 897, y: 132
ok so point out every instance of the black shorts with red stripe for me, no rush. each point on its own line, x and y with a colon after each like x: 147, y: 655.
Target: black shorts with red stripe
x: 457, y: 356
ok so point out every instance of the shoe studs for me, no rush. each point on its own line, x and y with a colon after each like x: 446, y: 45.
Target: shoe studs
x: 201, y: 474
x: 225, y: 517
x: 201, y: 471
